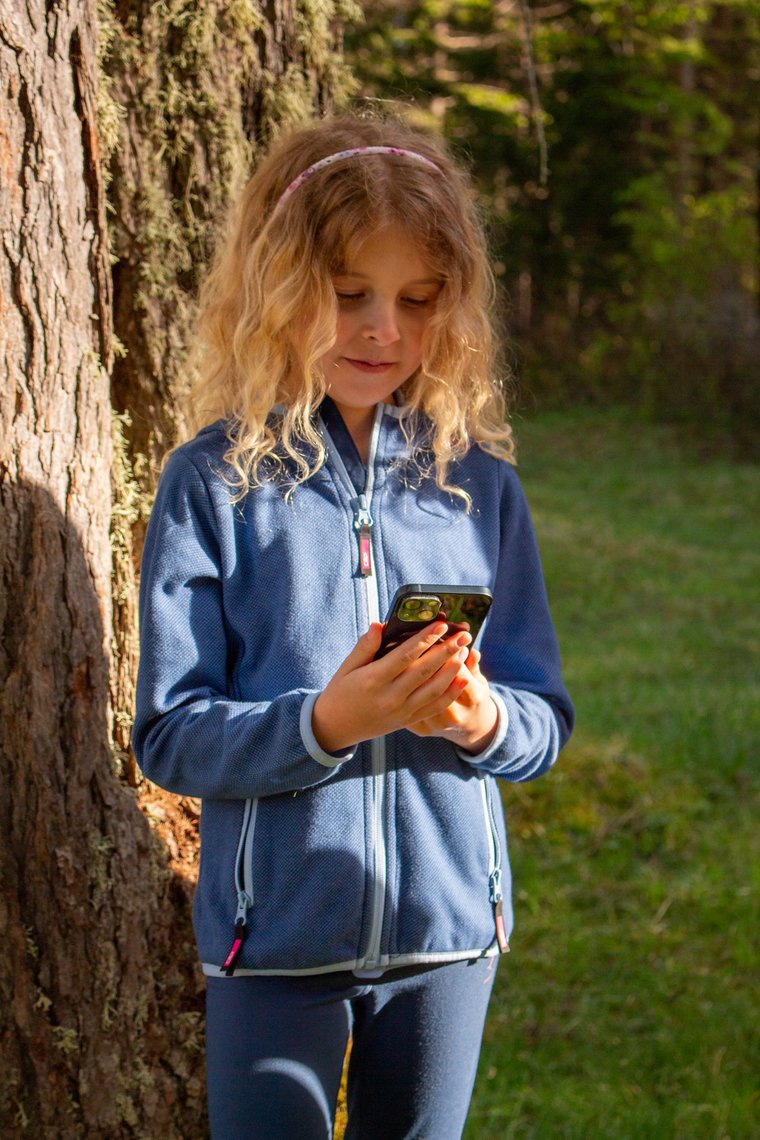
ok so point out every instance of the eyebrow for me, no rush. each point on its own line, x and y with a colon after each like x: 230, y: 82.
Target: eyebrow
x: 367, y: 277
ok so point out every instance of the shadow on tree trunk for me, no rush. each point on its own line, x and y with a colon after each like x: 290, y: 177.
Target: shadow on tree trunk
x: 100, y: 996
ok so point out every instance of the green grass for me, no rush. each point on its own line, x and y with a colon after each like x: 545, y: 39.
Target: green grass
x: 629, y: 1006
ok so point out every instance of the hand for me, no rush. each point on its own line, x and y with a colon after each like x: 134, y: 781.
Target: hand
x: 415, y: 681
x: 470, y: 720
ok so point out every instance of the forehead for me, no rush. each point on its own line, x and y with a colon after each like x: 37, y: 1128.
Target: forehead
x: 389, y: 250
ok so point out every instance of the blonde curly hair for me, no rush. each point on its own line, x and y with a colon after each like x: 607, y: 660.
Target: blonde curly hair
x: 268, y: 309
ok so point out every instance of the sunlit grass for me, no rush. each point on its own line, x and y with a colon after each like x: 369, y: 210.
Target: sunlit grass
x: 629, y: 1005
x: 628, y: 1009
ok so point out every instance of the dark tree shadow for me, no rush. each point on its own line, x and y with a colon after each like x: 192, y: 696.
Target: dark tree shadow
x: 99, y: 991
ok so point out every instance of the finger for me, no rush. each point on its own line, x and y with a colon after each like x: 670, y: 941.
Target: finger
x: 432, y: 672
x: 437, y: 692
x: 475, y: 683
x: 446, y: 721
x: 434, y: 706
x: 364, y: 651
x: 473, y: 665
x: 410, y: 650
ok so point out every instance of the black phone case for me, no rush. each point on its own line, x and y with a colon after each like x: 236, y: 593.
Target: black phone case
x: 459, y: 606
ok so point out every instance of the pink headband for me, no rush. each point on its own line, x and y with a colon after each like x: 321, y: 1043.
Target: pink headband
x: 354, y: 152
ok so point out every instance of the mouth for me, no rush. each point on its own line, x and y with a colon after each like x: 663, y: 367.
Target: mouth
x: 376, y: 366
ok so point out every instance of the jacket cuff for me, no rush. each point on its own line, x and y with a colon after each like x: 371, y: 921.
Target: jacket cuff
x: 499, y: 736
x: 312, y: 744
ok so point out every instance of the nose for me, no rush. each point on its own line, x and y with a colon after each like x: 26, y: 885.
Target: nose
x: 381, y: 324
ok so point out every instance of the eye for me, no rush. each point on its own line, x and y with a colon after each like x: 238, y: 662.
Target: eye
x: 417, y: 302
x: 345, y: 296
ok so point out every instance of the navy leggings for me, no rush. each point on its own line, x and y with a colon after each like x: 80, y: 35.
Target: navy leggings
x: 276, y: 1045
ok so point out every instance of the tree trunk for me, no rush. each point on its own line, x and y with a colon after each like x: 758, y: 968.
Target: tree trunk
x: 100, y: 1008
x: 76, y: 973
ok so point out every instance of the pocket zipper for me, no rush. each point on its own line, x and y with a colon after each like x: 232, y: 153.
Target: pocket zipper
x: 495, y: 894
x: 243, y: 885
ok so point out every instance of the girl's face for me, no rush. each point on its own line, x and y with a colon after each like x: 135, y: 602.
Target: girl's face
x: 385, y: 297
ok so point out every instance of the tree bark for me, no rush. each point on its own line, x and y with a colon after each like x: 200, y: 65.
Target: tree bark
x: 77, y: 973
x: 100, y: 1009
x: 201, y: 89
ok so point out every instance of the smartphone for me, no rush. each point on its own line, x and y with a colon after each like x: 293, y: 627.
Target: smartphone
x: 415, y: 606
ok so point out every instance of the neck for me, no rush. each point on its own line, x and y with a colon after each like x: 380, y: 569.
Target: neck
x: 359, y: 422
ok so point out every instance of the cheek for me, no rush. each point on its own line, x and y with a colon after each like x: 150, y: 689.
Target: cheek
x: 416, y: 334
x: 345, y: 327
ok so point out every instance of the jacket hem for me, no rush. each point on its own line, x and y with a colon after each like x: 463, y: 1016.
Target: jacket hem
x: 213, y: 971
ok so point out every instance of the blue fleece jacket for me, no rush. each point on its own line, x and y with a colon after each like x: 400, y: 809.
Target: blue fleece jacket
x: 395, y: 853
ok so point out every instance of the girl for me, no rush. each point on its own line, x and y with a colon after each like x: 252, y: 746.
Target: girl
x: 354, y: 876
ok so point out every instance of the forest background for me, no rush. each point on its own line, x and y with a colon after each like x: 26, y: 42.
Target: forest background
x: 615, y: 145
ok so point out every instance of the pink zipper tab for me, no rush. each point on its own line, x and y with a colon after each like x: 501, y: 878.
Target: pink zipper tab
x: 363, y: 527
x: 237, y: 946
x: 501, y: 930
x: 365, y: 552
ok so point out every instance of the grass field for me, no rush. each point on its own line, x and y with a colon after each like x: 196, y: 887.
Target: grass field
x: 628, y: 1007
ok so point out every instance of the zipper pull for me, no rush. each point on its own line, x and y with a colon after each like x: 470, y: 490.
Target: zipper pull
x: 501, y: 930
x: 496, y: 897
x: 240, y: 934
x: 363, y: 526
x: 237, y: 946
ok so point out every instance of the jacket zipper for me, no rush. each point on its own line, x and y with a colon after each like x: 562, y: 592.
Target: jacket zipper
x: 360, y: 505
x: 495, y: 894
x: 363, y: 526
x: 243, y: 884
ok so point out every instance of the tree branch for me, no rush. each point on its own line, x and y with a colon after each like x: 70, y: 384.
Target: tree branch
x: 537, y: 111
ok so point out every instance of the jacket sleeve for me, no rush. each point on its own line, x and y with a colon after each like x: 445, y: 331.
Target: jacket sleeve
x: 190, y: 735
x: 520, y: 655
